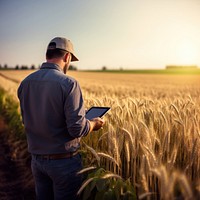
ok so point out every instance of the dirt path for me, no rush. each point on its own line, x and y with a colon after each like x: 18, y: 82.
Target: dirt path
x: 16, y: 181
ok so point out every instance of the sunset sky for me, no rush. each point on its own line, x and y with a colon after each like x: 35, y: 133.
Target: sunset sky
x: 137, y: 34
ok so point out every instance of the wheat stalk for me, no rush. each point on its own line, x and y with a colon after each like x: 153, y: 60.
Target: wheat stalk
x: 86, y: 170
x: 107, y: 156
x: 85, y: 184
x: 186, y: 189
x: 111, y: 175
x: 93, y: 152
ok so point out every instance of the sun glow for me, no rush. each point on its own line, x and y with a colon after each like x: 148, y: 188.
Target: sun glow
x: 187, y: 54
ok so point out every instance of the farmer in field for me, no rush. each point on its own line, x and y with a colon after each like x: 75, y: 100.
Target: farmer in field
x: 54, y: 118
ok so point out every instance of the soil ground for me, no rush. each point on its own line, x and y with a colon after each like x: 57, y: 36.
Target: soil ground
x: 16, y: 182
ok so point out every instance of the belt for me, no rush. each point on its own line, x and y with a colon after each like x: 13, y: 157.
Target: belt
x: 57, y: 156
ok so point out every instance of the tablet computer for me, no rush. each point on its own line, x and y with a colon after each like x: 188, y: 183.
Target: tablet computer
x: 94, y: 112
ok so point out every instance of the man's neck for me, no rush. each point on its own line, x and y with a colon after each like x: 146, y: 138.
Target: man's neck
x: 57, y: 62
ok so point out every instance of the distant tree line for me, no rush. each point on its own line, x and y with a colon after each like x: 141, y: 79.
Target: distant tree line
x: 17, y: 67
x: 25, y: 67
x: 181, y: 67
x: 73, y: 68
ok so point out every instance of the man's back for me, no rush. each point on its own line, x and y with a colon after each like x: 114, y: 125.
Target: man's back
x: 49, y: 103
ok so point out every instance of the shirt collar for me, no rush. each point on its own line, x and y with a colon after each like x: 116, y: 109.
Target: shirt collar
x: 48, y: 65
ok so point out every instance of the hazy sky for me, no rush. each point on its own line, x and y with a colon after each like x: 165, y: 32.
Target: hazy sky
x: 113, y: 33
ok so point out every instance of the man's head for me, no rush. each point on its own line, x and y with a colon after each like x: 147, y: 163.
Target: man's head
x: 61, y: 50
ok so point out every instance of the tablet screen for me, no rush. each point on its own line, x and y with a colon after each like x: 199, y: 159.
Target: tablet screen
x: 94, y: 112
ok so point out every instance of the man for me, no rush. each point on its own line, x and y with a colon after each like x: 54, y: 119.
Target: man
x: 54, y: 118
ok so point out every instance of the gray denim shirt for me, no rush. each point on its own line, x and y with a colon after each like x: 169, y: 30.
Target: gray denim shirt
x: 52, y: 111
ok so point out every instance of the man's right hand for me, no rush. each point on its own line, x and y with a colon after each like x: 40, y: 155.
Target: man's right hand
x: 96, y: 123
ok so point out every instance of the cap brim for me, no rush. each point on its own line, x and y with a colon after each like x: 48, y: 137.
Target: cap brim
x: 74, y: 58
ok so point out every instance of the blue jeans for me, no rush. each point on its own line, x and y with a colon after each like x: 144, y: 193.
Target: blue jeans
x: 57, y: 179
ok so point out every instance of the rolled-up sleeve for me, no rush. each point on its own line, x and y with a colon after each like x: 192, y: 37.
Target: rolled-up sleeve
x: 77, y: 124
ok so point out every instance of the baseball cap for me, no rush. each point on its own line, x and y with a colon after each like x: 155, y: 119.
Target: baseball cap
x: 63, y: 44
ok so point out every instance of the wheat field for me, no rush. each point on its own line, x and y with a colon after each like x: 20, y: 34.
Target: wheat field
x: 152, y: 132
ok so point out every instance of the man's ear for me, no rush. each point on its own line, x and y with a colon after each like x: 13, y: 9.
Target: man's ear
x: 65, y: 57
